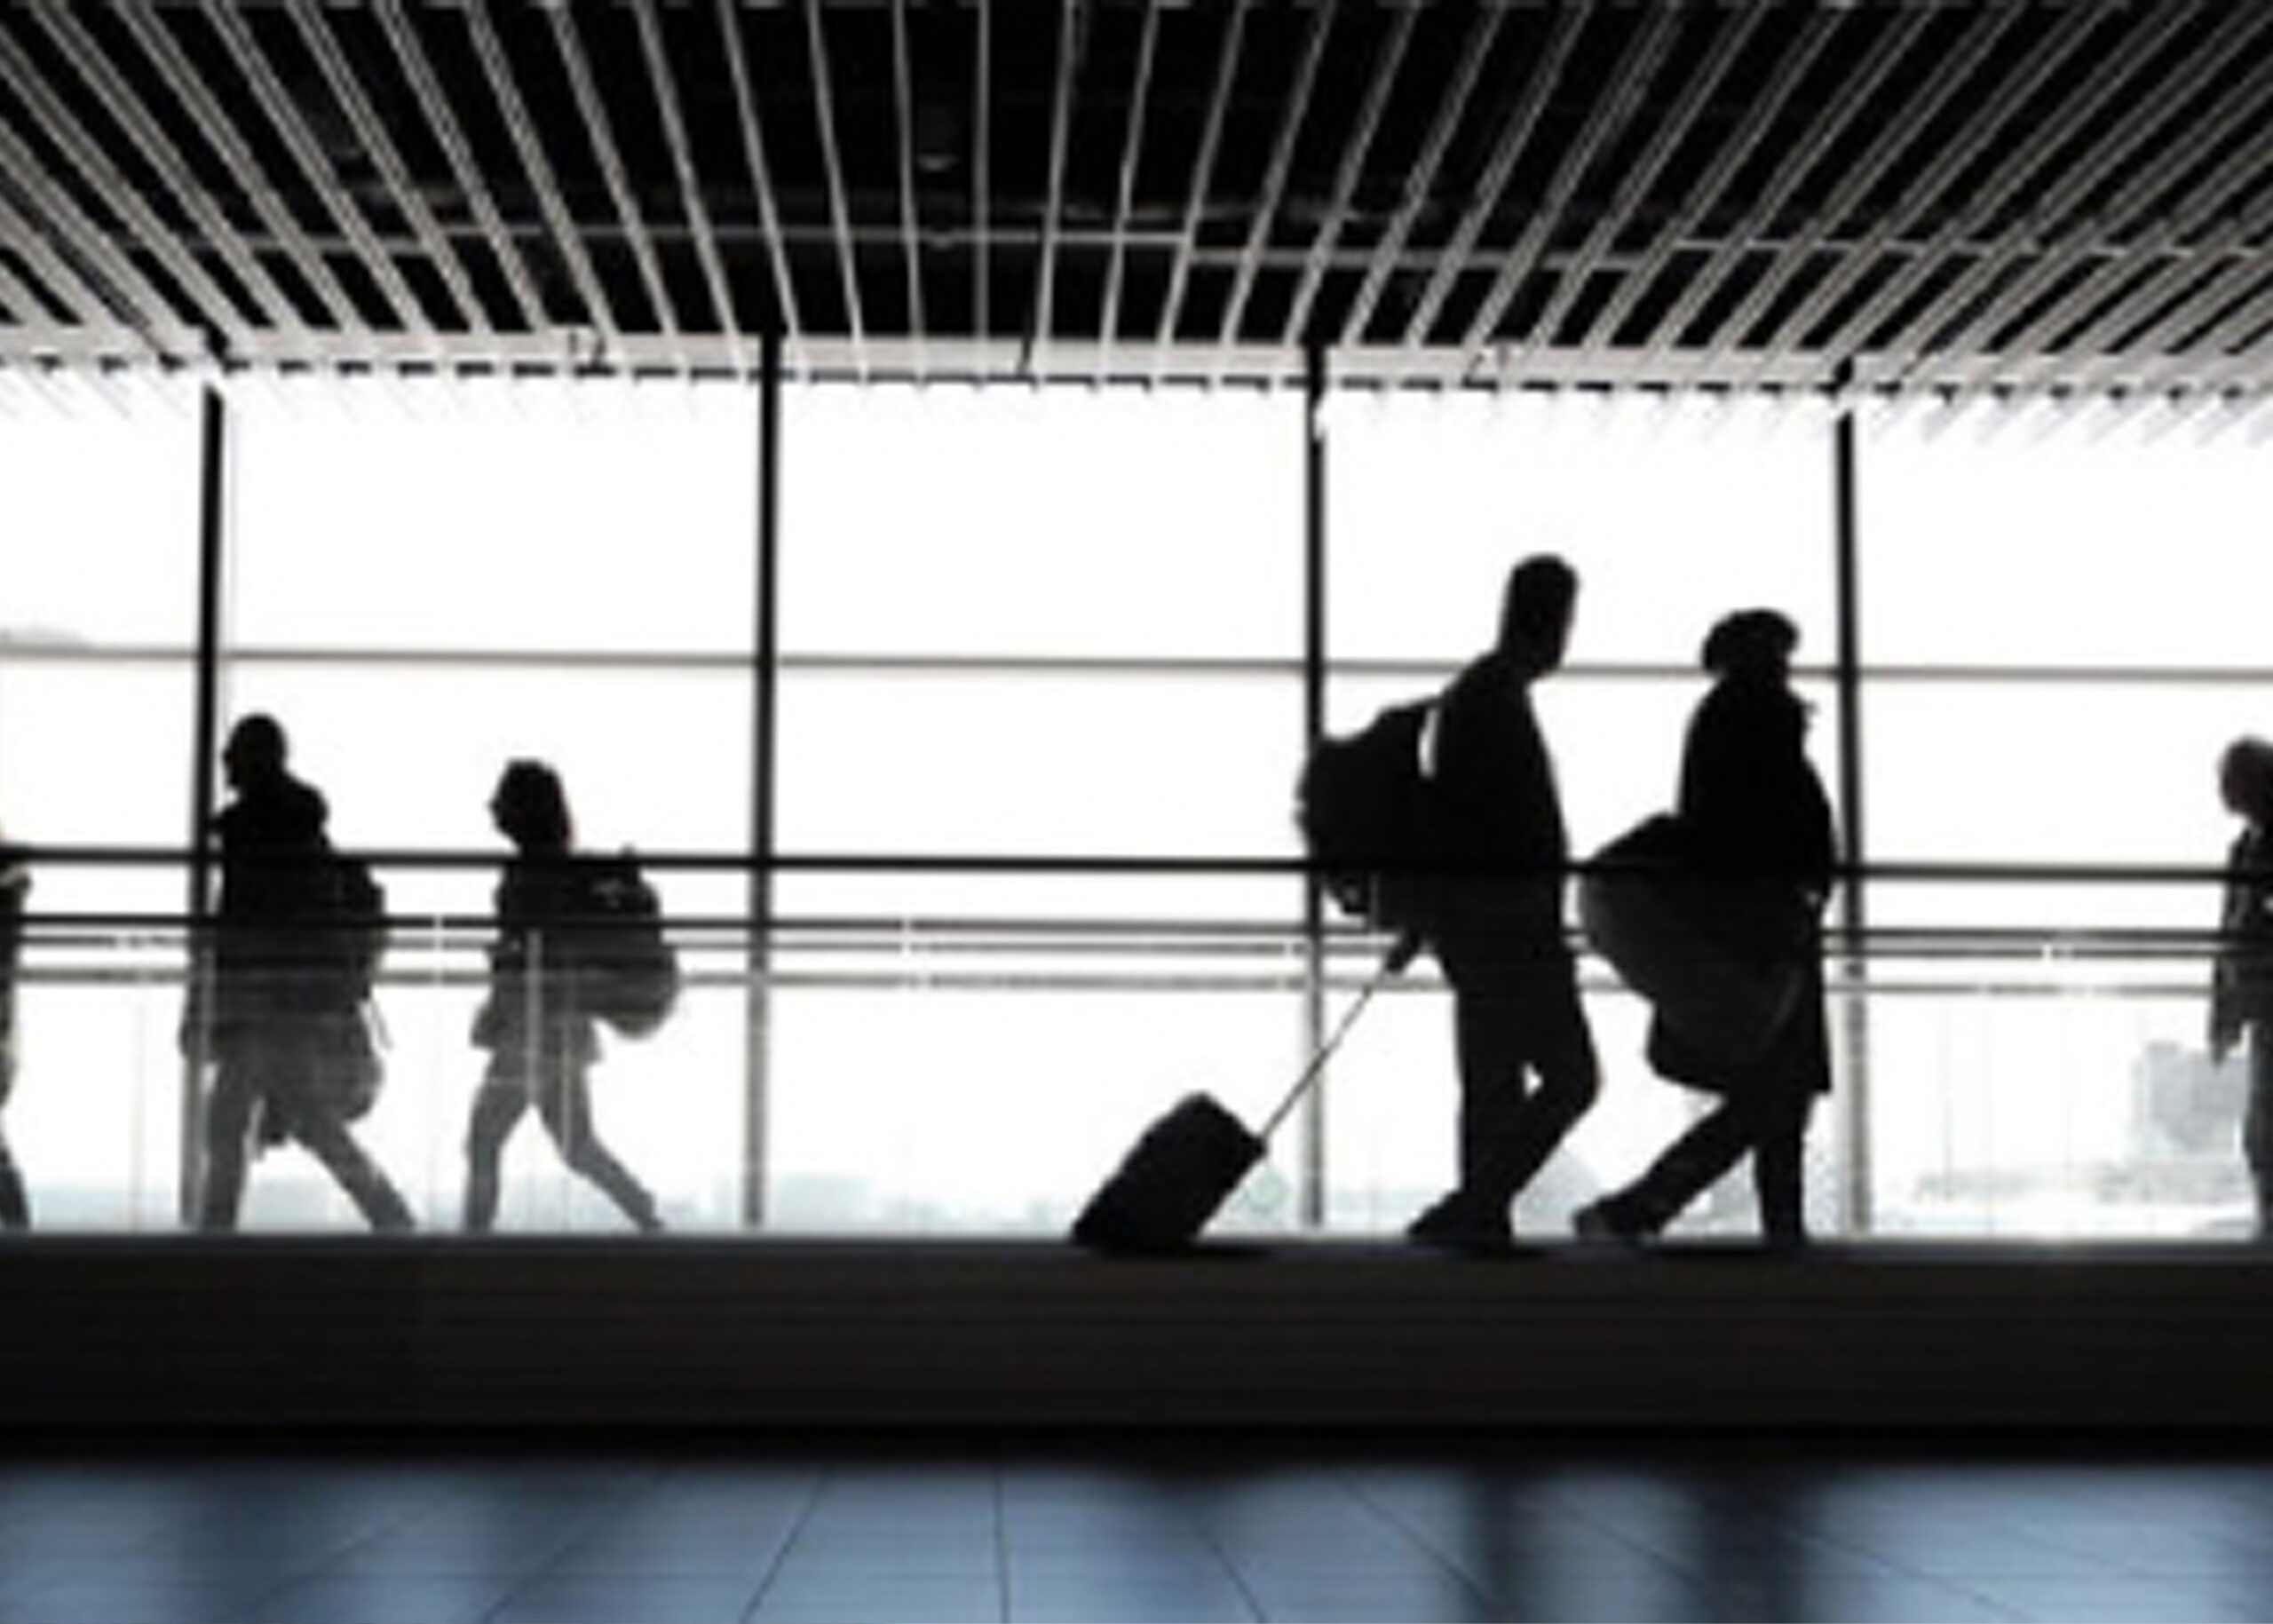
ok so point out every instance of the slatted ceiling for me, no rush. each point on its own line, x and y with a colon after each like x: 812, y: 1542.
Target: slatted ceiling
x: 2020, y: 200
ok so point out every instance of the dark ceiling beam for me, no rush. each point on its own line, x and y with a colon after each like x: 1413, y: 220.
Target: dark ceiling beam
x: 982, y: 181
x: 371, y: 134
x: 1636, y: 69
x: 1889, y: 140
x: 2141, y: 159
x: 1132, y: 144
x: 317, y: 171
x: 1998, y: 297
x: 1490, y: 192
x: 48, y: 228
x: 662, y: 84
x: 1040, y: 330
x: 1203, y: 177
x: 839, y: 212
x: 1924, y: 195
x: 599, y: 134
x: 1293, y: 111
x: 219, y: 129
x: 1917, y: 259
x: 1418, y: 193
x: 911, y: 224
x: 1816, y: 29
x: 1734, y: 30
x: 1716, y: 279
x: 125, y: 107
x: 457, y: 151
x: 1380, y: 87
x: 761, y: 173
x: 544, y: 185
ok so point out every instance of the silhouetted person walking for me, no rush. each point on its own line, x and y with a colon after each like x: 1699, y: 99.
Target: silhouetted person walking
x: 541, y: 1040
x: 1753, y: 811
x: 286, y: 1006
x: 1497, y: 922
x: 2241, y: 992
x: 15, y: 884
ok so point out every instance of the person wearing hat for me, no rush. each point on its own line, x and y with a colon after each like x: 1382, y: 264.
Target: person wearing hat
x: 1751, y: 809
x: 2241, y: 990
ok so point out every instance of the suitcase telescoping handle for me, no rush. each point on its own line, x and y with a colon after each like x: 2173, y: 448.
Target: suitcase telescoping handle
x: 1393, y: 962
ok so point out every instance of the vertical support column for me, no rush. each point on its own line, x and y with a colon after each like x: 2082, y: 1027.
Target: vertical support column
x: 1855, y: 1026
x: 765, y: 672
x: 212, y: 556
x: 1313, y: 1117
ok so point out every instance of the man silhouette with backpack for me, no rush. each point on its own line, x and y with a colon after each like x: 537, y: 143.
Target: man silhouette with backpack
x: 276, y: 998
x: 1495, y: 923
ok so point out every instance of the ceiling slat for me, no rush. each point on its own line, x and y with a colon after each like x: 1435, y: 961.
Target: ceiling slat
x: 402, y: 190
x: 839, y: 209
x: 1380, y: 86
x: 1637, y: 65
x: 1878, y: 56
x: 1418, y: 191
x: 663, y: 85
x: 600, y: 135
x: 1203, y: 175
x: 219, y: 130
x: 1491, y: 187
x: 102, y: 277
x: 1961, y: 230
x: 418, y: 71
x: 125, y: 107
x: 545, y: 185
x: 911, y: 225
x: 1271, y: 194
x: 316, y: 171
x: 1061, y: 118
x: 1734, y: 30
x: 1132, y: 143
x: 761, y: 175
x: 2053, y: 209
x: 1740, y: 147
x: 2181, y: 241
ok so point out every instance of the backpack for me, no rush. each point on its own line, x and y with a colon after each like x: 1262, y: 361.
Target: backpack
x: 356, y: 907
x: 628, y: 973
x: 1367, y: 808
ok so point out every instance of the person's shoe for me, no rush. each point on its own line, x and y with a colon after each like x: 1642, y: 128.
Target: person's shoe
x: 1453, y: 1226
x: 1599, y: 1221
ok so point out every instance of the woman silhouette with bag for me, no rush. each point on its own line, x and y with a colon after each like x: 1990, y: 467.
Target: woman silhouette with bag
x: 1754, y: 816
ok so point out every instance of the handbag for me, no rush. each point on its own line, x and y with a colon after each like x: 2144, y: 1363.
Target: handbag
x: 1716, y: 955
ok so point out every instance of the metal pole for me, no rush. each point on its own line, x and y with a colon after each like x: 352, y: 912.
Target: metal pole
x: 765, y: 674
x: 213, y: 558
x: 1854, y: 1025
x: 1314, y: 568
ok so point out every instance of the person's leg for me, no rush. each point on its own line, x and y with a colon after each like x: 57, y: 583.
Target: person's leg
x: 328, y: 1139
x: 15, y: 1205
x: 1553, y: 1037
x: 2257, y: 1125
x: 497, y: 1107
x: 566, y: 1109
x: 228, y: 1134
x: 1778, y: 1167
x: 1488, y: 1058
x: 1708, y: 1149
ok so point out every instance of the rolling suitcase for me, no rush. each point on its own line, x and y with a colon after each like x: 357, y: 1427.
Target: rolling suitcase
x: 1185, y: 1165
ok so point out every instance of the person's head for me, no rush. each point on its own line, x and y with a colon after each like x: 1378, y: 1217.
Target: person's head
x: 2246, y: 778
x: 1535, y: 611
x: 1750, y: 643
x: 530, y: 808
x: 256, y: 752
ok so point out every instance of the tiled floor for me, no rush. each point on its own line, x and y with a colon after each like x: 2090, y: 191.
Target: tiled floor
x: 1160, y: 1529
